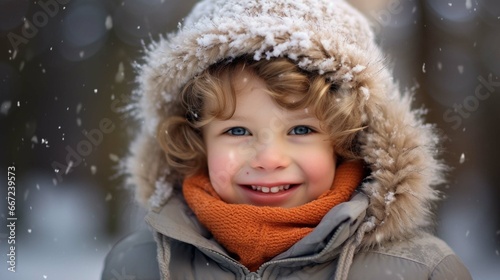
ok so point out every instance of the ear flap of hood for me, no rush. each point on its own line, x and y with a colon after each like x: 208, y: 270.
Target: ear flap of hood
x: 325, y: 36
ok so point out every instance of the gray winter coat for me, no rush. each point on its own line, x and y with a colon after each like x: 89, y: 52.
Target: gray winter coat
x: 381, y: 233
x: 188, y: 251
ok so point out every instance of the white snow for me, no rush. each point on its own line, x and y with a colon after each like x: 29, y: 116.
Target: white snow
x: 68, y: 168
x: 93, y: 169
x: 5, y: 107
x: 120, y: 74
x: 389, y: 198
x: 468, y: 4
x: 365, y: 92
x: 347, y: 77
x: 358, y: 68
x: 163, y: 190
x: 462, y: 158
x: 109, y: 22
x: 114, y: 157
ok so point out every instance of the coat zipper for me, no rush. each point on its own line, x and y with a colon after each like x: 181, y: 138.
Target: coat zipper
x: 263, y: 266
x: 231, y: 260
x: 335, y: 235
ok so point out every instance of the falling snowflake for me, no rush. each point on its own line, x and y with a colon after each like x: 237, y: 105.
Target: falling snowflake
x: 468, y: 4
x: 109, y: 22
x: 114, y: 157
x: 4, y: 109
x: 462, y: 158
x: 68, y: 168
x: 120, y: 74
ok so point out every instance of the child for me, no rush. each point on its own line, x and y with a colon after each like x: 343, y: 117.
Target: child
x: 275, y: 145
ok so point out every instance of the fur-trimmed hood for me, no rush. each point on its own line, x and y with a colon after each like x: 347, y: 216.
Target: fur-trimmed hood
x: 326, y: 36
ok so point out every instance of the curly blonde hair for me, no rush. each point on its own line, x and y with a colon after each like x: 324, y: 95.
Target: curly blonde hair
x: 292, y: 88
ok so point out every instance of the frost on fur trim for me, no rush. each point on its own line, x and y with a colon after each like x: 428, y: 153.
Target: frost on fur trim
x: 163, y: 190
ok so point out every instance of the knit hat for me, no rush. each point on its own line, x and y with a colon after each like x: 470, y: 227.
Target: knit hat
x: 324, y: 36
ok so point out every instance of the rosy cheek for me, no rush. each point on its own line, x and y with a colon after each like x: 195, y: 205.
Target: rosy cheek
x: 221, y: 170
x: 320, y: 169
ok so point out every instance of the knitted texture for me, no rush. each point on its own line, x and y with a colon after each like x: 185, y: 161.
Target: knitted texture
x: 257, y: 234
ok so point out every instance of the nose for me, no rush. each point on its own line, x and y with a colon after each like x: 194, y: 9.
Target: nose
x: 271, y: 154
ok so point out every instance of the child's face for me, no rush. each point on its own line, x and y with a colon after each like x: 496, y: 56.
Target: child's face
x: 265, y: 155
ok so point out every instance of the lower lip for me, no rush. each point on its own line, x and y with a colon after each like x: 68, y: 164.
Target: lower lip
x: 259, y: 198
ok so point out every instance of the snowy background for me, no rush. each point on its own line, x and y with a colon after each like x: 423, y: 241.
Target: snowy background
x: 66, y: 75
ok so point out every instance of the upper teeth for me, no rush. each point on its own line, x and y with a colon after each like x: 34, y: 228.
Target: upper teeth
x: 274, y: 189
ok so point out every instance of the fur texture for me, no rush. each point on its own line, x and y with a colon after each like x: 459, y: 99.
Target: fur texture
x: 320, y: 35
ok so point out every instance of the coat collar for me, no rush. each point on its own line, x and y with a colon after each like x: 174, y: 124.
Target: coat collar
x: 176, y: 221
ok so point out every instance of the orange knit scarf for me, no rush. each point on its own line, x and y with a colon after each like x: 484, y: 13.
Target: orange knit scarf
x: 257, y: 234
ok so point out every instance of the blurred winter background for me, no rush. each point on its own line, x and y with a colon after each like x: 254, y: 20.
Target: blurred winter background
x: 66, y: 75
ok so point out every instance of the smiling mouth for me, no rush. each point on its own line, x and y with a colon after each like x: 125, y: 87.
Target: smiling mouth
x: 275, y: 189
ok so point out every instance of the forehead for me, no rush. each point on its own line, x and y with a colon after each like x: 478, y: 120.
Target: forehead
x: 235, y: 86
x: 244, y: 81
x: 254, y: 97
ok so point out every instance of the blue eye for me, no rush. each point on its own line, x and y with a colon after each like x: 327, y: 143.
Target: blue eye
x: 301, y: 130
x: 238, y: 131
